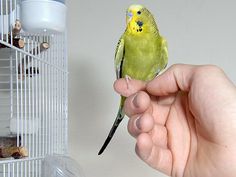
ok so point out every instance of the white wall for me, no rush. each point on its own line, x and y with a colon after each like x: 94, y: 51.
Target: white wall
x: 198, y: 32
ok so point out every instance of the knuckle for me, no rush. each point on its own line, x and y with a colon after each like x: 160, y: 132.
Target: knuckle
x: 205, y: 71
x: 210, y: 69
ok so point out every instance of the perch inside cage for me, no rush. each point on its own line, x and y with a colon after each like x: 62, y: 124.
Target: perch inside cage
x: 33, y: 91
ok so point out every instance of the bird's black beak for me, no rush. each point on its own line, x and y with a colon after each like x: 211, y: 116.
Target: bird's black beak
x: 139, y: 23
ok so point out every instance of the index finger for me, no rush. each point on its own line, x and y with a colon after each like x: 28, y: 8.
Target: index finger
x: 177, y: 77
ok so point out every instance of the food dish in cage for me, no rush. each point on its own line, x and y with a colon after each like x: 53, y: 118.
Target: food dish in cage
x: 48, y: 15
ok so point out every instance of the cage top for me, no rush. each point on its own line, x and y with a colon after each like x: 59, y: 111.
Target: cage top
x: 61, y: 1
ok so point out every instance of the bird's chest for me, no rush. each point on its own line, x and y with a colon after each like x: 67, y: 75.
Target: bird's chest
x: 140, y: 56
x: 139, y: 45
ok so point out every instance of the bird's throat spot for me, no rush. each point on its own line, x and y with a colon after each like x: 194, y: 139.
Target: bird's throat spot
x: 139, y: 30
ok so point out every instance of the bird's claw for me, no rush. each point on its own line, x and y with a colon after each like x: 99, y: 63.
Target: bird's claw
x: 128, y: 79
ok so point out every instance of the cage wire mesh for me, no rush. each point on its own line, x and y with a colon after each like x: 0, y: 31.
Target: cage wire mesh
x: 33, y: 95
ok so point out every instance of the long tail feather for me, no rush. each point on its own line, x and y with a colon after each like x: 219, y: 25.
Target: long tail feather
x: 119, y: 118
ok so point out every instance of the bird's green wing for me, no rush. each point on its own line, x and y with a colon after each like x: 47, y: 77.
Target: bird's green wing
x: 119, y: 57
x: 163, y: 55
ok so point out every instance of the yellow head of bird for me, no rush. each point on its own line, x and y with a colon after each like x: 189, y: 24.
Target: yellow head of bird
x: 139, y: 20
x: 133, y: 20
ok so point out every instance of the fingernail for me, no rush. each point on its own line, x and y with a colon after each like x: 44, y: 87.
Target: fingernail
x: 135, y: 100
x: 138, y: 123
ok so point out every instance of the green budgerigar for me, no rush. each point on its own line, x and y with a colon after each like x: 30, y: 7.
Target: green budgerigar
x: 141, y: 54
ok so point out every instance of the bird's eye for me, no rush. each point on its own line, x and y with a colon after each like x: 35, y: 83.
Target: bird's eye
x: 139, y: 12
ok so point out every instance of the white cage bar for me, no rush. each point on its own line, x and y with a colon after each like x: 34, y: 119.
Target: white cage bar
x: 33, y: 93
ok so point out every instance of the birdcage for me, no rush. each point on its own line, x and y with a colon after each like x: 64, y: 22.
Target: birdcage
x: 33, y: 85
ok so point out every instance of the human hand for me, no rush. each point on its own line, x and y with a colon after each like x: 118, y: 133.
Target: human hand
x: 184, y: 121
